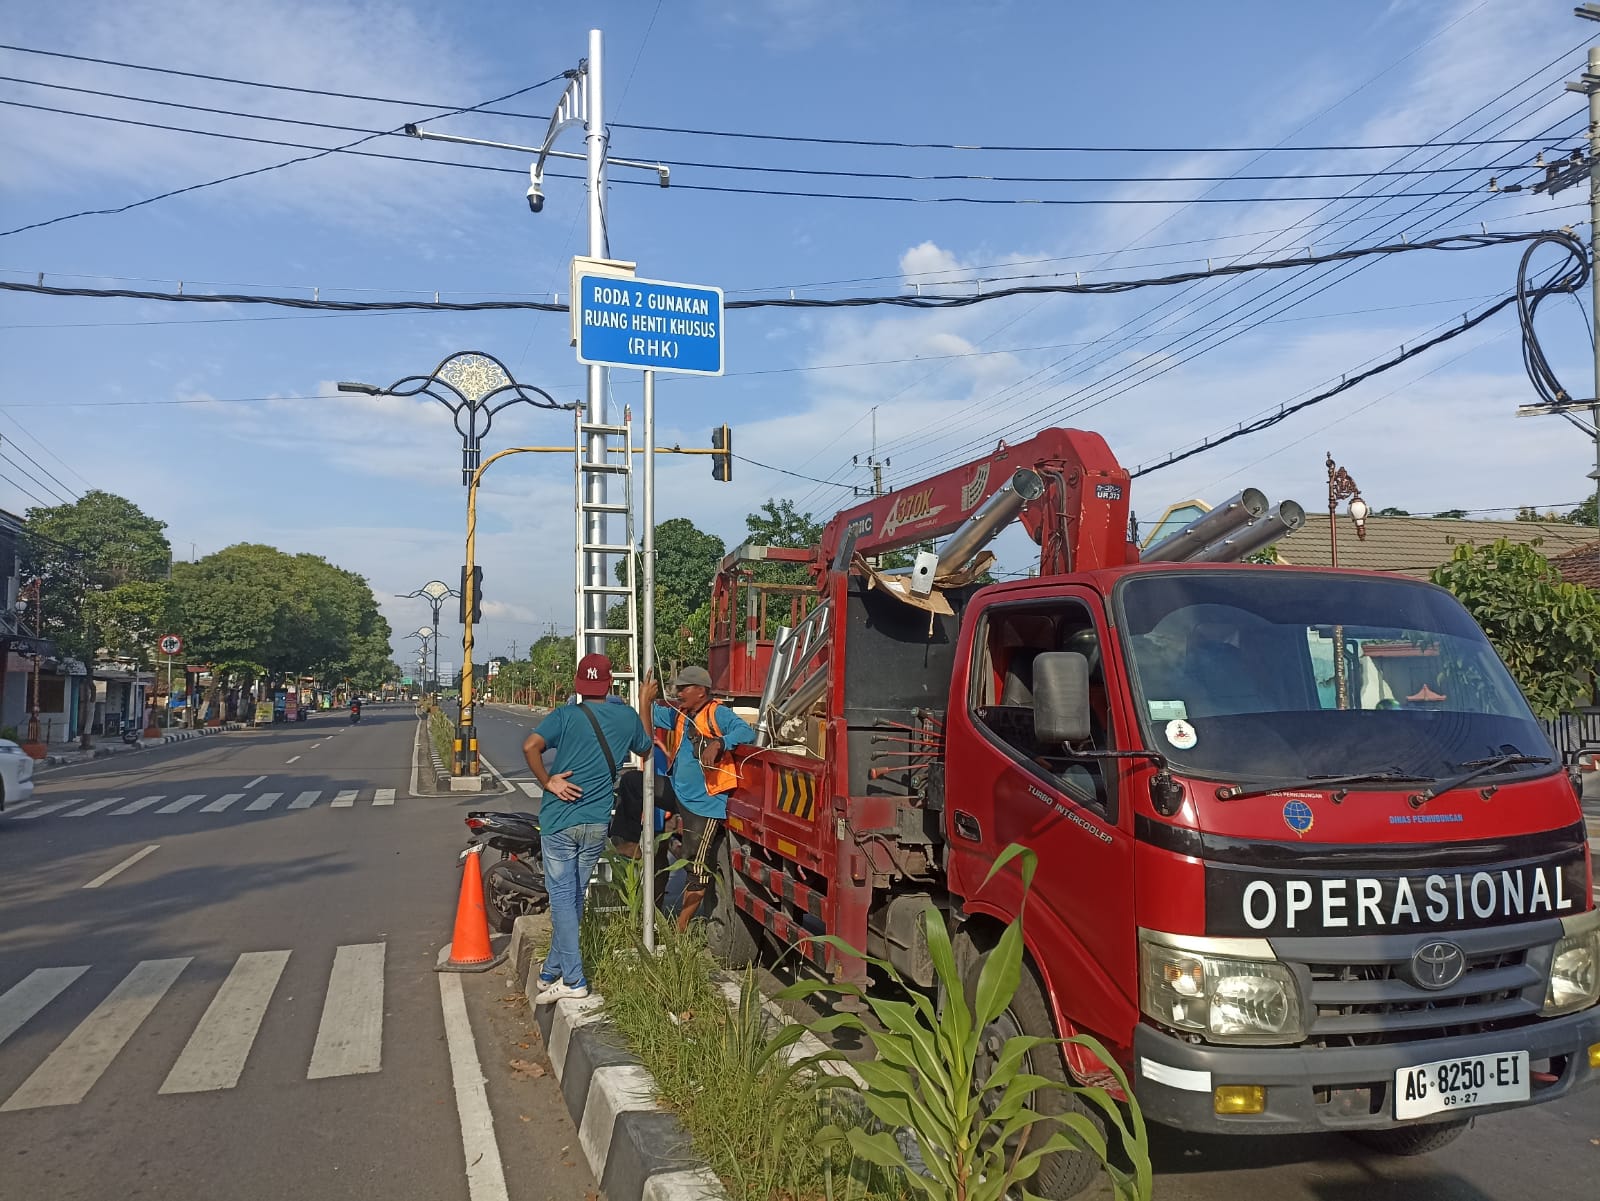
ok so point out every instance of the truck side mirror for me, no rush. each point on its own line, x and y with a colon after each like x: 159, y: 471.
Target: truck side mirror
x: 1061, y: 697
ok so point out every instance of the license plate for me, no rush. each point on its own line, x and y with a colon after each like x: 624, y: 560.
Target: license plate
x: 1450, y: 1084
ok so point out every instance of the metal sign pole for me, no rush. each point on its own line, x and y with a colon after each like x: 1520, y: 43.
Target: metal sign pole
x: 647, y: 658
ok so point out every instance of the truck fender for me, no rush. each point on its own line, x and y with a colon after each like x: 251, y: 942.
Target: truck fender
x: 976, y: 933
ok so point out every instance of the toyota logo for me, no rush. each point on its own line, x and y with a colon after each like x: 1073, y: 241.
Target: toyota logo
x: 1437, y: 965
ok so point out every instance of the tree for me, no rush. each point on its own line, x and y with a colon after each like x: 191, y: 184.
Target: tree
x: 777, y: 524
x: 1584, y: 514
x: 1453, y: 514
x: 1391, y: 511
x: 1546, y: 630
x: 99, y: 543
x: 686, y: 564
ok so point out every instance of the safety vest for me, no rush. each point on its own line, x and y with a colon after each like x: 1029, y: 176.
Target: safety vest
x: 722, y: 776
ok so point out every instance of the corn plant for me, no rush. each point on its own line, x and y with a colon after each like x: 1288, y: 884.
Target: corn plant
x: 978, y: 1140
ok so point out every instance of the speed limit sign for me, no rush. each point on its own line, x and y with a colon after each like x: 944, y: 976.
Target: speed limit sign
x: 171, y: 644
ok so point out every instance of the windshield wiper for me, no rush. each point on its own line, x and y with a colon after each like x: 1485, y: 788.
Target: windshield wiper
x: 1392, y: 775
x: 1477, y: 767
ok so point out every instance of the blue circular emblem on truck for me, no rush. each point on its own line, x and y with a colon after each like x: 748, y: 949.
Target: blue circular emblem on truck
x: 1297, y: 816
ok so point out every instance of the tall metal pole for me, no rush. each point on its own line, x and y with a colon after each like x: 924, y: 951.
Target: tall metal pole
x: 1594, y: 247
x: 435, y: 688
x: 466, y: 748
x: 593, y: 605
x: 647, y: 658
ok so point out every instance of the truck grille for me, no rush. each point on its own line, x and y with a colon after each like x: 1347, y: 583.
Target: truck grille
x: 1366, y: 999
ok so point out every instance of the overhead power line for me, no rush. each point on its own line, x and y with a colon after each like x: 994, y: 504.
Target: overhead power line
x: 1454, y: 242
x: 319, y: 152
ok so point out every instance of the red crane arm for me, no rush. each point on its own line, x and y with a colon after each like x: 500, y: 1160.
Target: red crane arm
x: 1080, y: 523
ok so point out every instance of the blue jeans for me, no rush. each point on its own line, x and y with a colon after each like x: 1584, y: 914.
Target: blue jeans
x: 569, y: 857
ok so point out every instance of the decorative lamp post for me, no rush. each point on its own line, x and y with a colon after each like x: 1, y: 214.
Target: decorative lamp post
x: 1342, y: 487
x: 29, y: 596
x: 434, y: 592
x: 475, y: 386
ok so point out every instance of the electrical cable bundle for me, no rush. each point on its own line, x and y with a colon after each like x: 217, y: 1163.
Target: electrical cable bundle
x: 1567, y: 278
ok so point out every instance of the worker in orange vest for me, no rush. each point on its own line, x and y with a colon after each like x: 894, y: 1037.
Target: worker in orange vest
x: 700, y: 734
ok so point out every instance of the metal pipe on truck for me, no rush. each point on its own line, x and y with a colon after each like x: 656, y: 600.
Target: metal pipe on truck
x: 992, y: 516
x: 1232, y: 514
x: 1284, y: 519
x: 777, y: 666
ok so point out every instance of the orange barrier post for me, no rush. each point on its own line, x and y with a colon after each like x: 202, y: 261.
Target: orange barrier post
x: 469, y: 949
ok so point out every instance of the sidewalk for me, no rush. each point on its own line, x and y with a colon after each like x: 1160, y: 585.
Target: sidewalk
x: 111, y: 744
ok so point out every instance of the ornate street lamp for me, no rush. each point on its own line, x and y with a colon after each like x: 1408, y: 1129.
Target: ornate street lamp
x: 475, y: 386
x: 1342, y: 487
x: 434, y: 592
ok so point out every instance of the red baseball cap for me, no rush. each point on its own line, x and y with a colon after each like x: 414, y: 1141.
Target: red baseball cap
x: 594, y: 676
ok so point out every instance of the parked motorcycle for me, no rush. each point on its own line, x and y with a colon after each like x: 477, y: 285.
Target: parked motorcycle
x: 131, y: 731
x: 514, y: 885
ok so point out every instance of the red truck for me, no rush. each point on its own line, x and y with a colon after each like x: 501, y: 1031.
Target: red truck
x: 1307, y: 862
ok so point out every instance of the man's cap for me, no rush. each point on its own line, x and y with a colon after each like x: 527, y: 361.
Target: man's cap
x: 594, y: 676
x: 692, y: 675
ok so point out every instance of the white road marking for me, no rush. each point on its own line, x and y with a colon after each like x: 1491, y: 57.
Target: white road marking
x: 182, y: 803
x: 312, y: 747
x: 94, y: 807
x: 143, y: 802
x: 83, y: 1056
x: 36, y: 990
x: 292, y: 759
x: 265, y: 801
x: 50, y: 809
x: 214, y: 1056
x: 531, y: 787
x: 256, y: 781
x: 350, y: 1035
x: 383, y: 796
x: 11, y: 805
x: 222, y: 802
x: 123, y: 866
x: 505, y: 785
x: 305, y: 800
x: 345, y: 799
x: 486, y: 1176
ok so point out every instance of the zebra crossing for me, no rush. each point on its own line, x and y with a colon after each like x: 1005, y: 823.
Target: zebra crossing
x: 349, y: 1037
x: 199, y: 802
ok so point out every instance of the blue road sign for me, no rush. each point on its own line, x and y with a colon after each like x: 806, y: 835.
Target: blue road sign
x: 649, y: 325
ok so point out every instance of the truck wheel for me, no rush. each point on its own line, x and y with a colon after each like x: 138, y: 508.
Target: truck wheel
x: 728, y: 935
x: 1067, y: 1174
x: 1412, y: 1140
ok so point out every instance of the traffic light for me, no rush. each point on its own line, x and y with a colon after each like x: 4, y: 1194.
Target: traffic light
x: 477, y: 595
x: 722, y: 461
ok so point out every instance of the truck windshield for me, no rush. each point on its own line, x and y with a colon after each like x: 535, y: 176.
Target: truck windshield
x: 1263, y: 674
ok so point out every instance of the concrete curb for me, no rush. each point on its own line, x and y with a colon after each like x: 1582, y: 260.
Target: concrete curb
x: 636, y: 1150
x: 66, y: 758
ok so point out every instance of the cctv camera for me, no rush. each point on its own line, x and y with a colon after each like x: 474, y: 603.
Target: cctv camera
x: 535, y: 199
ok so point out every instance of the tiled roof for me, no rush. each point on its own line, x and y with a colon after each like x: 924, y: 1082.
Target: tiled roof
x: 1581, y: 565
x: 1414, y: 546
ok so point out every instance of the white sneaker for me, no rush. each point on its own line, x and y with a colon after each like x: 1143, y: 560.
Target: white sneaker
x: 560, y: 991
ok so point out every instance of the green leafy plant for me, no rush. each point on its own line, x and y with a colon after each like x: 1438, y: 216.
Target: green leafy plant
x: 1546, y: 630
x: 978, y: 1139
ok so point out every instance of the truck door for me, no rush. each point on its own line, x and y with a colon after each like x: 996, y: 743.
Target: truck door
x: 1005, y: 786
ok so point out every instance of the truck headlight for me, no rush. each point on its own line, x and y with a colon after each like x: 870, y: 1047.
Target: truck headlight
x: 1574, y: 966
x: 1221, y: 997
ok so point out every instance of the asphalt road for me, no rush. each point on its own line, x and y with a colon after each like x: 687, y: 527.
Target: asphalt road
x: 216, y: 983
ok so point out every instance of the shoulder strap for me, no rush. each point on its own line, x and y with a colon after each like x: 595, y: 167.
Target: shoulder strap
x: 711, y: 718
x: 605, y: 749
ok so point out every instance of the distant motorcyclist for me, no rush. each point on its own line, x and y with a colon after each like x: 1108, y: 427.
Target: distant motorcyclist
x: 355, y: 709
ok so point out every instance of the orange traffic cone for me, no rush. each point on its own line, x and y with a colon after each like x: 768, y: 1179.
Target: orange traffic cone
x: 469, y: 949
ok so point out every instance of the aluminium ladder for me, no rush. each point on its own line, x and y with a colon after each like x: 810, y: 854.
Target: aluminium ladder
x: 595, y: 595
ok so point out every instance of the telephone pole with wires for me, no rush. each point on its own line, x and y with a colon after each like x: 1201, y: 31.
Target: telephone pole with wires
x: 1579, y: 169
x: 873, y: 463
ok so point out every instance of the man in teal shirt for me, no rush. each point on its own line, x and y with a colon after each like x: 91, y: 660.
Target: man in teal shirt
x: 579, y: 791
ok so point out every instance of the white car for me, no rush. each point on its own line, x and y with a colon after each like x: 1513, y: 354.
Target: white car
x: 16, y: 774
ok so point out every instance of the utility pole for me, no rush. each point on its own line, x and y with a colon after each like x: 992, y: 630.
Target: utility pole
x: 513, y: 650
x: 876, y: 464
x: 1590, y: 85
x: 594, y: 412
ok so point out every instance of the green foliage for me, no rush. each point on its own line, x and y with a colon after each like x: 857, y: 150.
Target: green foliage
x: 1582, y: 515
x: 1391, y: 511
x: 979, y: 1139
x: 289, y: 613
x: 443, y: 735
x: 778, y: 524
x: 130, y: 618
x: 1453, y: 514
x: 97, y: 543
x: 1546, y: 630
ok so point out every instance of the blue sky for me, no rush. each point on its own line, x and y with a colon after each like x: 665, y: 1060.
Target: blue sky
x: 223, y: 421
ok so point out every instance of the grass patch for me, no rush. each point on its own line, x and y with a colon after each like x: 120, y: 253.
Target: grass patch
x: 443, y: 733
x: 755, y: 1117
